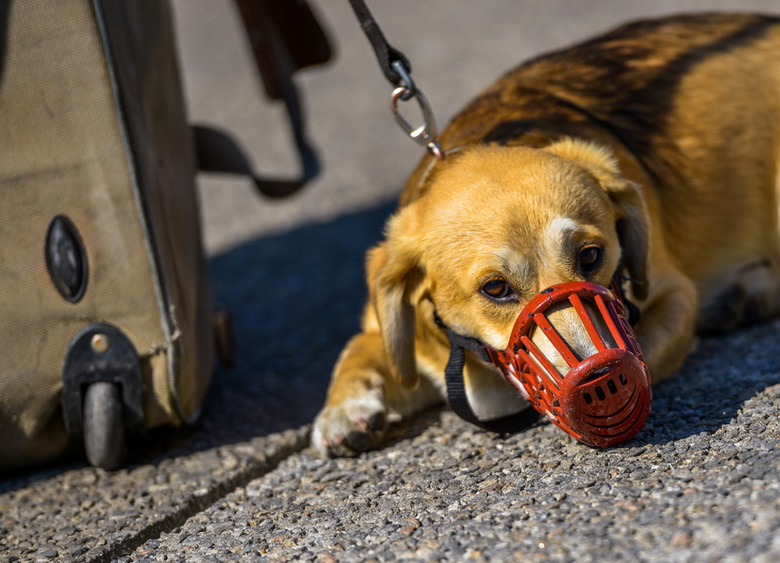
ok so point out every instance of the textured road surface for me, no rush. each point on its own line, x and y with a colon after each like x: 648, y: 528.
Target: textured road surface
x: 699, y: 484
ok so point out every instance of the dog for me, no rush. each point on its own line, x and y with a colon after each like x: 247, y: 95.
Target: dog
x: 652, y: 151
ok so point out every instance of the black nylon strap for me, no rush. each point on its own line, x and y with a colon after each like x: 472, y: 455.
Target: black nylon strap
x: 456, y: 388
x: 634, y: 314
x: 386, y: 54
x: 466, y: 342
x: 219, y: 152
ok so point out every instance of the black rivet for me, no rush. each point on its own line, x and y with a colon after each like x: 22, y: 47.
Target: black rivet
x: 66, y: 260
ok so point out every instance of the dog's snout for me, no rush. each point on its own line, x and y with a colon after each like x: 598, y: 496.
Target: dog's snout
x: 569, y: 326
x: 574, y: 356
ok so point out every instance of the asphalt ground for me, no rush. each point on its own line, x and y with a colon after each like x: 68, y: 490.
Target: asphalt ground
x: 698, y: 484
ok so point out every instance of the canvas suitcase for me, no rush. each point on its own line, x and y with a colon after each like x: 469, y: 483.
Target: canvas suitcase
x: 105, y: 300
x: 106, y: 321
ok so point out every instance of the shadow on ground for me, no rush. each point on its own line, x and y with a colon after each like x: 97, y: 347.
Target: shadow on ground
x: 715, y: 383
x: 295, y: 298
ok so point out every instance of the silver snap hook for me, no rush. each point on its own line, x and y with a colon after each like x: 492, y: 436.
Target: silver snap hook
x: 427, y: 133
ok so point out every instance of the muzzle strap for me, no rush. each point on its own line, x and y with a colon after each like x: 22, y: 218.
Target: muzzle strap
x: 456, y: 388
x: 634, y: 314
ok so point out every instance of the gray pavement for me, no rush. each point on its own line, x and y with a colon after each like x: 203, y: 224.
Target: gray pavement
x: 699, y: 484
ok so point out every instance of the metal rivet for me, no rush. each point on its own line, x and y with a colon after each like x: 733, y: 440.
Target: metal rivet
x: 100, y: 343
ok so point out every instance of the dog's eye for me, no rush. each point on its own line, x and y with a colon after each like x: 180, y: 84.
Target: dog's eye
x: 590, y: 259
x: 498, y: 289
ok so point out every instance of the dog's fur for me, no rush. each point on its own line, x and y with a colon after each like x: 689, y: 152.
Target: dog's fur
x: 658, y: 143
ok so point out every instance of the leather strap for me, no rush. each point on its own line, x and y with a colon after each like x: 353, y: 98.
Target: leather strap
x: 386, y: 54
x: 287, y: 24
x: 634, y: 314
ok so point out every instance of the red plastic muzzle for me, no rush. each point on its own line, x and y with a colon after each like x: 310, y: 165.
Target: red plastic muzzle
x: 603, y: 399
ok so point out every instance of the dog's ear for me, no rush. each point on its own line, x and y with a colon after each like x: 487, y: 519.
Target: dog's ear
x: 394, y: 274
x: 632, y: 222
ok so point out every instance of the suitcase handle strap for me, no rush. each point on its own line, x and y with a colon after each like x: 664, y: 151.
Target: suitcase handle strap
x: 217, y: 151
x: 279, y: 54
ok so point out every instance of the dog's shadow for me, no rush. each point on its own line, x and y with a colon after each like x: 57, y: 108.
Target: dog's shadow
x: 721, y: 375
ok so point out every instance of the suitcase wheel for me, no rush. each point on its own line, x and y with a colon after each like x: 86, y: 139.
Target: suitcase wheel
x: 102, y: 394
x: 104, y: 431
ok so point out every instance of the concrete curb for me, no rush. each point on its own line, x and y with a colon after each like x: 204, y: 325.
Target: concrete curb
x: 99, y: 516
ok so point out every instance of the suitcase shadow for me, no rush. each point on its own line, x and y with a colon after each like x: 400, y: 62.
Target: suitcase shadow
x: 295, y: 299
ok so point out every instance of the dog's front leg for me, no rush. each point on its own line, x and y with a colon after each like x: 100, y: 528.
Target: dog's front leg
x: 363, y: 398
x: 666, y: 329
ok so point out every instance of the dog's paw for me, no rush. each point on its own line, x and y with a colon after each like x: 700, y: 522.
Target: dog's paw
x: 727, y: 311
x: 353, y: 426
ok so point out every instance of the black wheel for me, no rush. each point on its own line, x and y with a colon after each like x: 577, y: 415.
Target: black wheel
x: 104, y: 431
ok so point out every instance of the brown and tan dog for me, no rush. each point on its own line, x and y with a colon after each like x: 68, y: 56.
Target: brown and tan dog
x: 652, y: 150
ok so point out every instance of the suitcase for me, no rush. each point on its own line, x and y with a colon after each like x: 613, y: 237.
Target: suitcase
x: 106, y: 320
x: 105, y: 300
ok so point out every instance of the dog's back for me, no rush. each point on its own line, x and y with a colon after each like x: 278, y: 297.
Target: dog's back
x: 628, y: 81
x: 695, y: 99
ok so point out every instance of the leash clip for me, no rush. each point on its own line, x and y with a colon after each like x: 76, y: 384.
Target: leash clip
x: 427, y: 133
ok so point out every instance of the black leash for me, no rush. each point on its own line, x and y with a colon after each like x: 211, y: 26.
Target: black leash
x: 386, y: 54
x: 398, y: 71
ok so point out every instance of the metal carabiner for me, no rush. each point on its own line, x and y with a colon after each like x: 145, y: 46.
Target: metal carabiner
x: 426, y: 134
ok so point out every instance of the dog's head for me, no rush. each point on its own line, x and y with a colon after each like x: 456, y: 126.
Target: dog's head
x: 496, y: 226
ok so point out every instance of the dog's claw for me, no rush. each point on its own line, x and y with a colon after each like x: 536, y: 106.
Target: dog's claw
x: 352, y: 427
